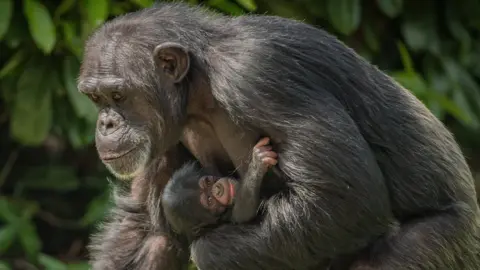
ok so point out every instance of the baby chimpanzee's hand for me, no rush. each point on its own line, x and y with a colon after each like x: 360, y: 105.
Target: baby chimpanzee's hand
x: 263, y: 156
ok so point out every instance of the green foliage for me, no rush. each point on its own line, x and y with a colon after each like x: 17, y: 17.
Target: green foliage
x: 40, y: 24
x: 50, y: 178
x: 345, y: 15
x: 6, y: 12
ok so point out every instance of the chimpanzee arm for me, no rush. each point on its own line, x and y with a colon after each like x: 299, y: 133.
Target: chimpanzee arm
x: 136, y: 237
x: 328, y: 208
x: 247, y: 197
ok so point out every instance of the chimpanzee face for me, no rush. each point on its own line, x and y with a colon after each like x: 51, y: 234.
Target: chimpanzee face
x: 216, y: 194
x: 139, y: 92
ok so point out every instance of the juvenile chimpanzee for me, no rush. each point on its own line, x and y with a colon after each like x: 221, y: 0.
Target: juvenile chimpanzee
x: 193, y: 200
x: 359, y: 153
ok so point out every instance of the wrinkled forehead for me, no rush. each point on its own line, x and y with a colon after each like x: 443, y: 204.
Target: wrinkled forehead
x: 117, y: 58
x: 115, y: 52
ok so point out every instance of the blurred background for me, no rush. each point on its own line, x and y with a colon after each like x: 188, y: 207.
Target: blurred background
x: 54, y: 189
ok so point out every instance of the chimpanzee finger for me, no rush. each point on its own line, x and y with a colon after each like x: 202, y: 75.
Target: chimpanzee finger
x: 264, y: 141
x: 270, y: 154
x: 270, y: 161
x: 262, y: 149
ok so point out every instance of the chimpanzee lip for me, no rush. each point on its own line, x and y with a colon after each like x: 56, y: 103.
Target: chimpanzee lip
x: 116, y: 156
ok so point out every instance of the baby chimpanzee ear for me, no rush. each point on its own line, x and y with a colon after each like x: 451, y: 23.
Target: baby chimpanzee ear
x: 173, y: 60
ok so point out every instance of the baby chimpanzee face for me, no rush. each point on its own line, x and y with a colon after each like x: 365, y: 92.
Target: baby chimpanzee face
x: 216, y: 194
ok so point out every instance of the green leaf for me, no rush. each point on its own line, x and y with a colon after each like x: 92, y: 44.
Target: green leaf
x: 5, y: 266
x: 79, y: 266
x: 461, y: 100
x: 12, y: 63
x: 7, y: 235
x: 51, y: 263
x: 448, y: 105
x: 96, y: 11
x: 458, y: 30
x: 6, y: 12
x: 143, y: 3
x: 18, y: 32
x: 406, y: 59
x: 64, y: 7
x: 391, y: 8
x: 226, y: 6
x: 72, y: 40
x: 29, y: 240
x: 32, y: 113
x: 6, y: 212
x: 55, y: 178
x: 411, y: 81
x: 250, y: 5
x: 345, y: 15
x: 420, y: 28
x: 82, y: 105
x: 370, y: 38
x: 97, y: 209
x: 40, y: 24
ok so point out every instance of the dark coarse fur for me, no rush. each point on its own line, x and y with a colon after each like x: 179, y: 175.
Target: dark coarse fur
x: 182, y: 195
x: 300, y: 85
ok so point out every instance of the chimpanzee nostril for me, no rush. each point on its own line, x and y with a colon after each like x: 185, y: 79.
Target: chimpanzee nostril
x: 108, y: 125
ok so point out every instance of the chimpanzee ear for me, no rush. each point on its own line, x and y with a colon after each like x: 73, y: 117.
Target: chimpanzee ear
x: 172, y: 59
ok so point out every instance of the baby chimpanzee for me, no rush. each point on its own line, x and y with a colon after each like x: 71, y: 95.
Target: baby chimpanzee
x: 193, y: 200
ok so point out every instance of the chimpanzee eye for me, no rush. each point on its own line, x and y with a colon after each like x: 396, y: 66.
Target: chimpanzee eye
x: 116, y: 96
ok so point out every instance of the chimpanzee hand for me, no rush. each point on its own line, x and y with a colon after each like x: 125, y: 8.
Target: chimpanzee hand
x: 263, y: 157
x: 247, y: 198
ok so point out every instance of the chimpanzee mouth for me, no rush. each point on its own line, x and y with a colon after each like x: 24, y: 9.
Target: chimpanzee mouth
x: 111, y: 157
x: 218, y: 190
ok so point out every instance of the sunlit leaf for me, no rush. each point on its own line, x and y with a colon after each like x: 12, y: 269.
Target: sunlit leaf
x: 6, y: 12
x: 411, y: 81
x: 250, y: 5
x: 40, y: 24
x: 143, y: 3
x: 391, y: 7
x: 7, y: 236
x: 32, y: 113
x: 345, y: 15
x: 97, y: 11
x: 406, y: 59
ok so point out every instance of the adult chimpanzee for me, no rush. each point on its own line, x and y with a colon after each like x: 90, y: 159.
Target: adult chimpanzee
x: 193, y: 201
x: 358, y: 152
